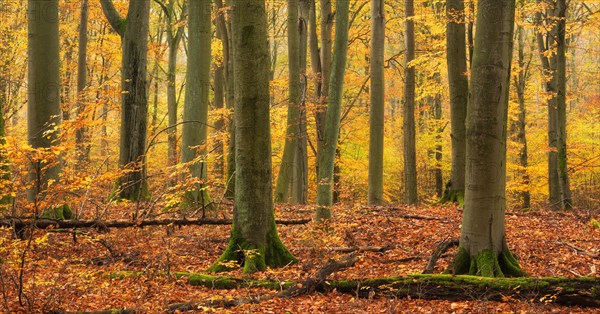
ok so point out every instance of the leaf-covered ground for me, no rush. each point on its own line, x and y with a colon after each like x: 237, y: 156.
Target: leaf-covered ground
x: 59, y: 273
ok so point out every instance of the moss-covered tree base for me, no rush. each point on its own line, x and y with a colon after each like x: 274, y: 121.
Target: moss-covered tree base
x: 253, y: 257
x: 62, y: 212
x: 196, y: 199
x: 453, y: 196
x: 486, y: 264
x: 139, y: 192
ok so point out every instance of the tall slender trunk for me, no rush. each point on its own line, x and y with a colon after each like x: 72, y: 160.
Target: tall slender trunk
x: 410, y: 157
x: 326, y: 24
x: 561, y: 106
x: 197, y: 89
x: 459, y: 95
x: 483, y: 249
x: 377, y: 109
x: 254, y: 241
x: 300, y: 173
x: 83, y: 147
x: 219, y: 105
x: 43, y: 105
x: 519, y: 126
x: 549, y: 64
x: 437, y: 115
x: 134, y: 100
x: 284, y: 179
x: 226, y: 34
x: 326, y: 158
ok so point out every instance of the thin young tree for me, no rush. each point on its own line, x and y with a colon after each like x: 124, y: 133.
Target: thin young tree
x: 286, y: 169
x: 134, y: 100
x: 197, y: 89
x: 326, y: 158
x: 377, y: 109
x: 459, y: 95
x: 83, y: 148
x: 483, y: 247
x: 409, y: 132
x: 254, y: 241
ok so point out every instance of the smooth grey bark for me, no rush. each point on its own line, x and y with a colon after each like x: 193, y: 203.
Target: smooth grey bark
x: 81, y: 140
x: 225, y: 30
x: 545, y: 42
x: 519, y: 126
x: 219, y: 104
x: 459, y: 95
x: 377, y: 97
x: 44, y: 85
x: 197, y: 89
x: 561, y: 106
x: 325, y: 52
x: 300, y: 172
x: 134, y: 99
x: 437, y: 115
x: 483, y: 249
x: 409, y: 132
x: 254, y: 240
x: 326, y: 158
x: 286, y: 169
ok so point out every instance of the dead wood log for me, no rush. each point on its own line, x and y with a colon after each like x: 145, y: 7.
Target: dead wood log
x: 308, y: 286
x: 579, y: 250
x: 582, y: 291
x: 20, y: 224
x: 442, y: 247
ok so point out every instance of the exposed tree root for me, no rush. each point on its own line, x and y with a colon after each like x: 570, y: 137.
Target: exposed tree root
x: 486, y: 263
x: 442, y: 247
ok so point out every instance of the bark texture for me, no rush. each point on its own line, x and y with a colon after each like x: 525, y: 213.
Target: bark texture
x: 326, y: 157
x: 409, y: 132
x: 377, y: 109
x: 459, y: 94
x: 254, y: 240
x: 483, y: 249
x: 83, y: 147
x: 197, y: 89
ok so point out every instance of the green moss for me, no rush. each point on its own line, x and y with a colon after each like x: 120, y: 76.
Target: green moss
x: 140, y: 194
x: 486, y: 264
x: 452, y: 196
x: 252, y: 257
x: 461, y: 263
x: 62, y: 212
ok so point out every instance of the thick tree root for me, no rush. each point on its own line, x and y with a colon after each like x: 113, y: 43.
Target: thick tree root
x: 486, y: 264
x: 452, y: 196
x: 253, y: 257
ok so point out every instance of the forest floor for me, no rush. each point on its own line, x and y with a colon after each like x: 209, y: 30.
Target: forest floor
x: 61, y: 274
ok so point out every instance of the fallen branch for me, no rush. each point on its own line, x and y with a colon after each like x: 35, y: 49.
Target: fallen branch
x: 19, y: 224
x: 579, y: 250
x: 442, y: 247
x: 349, y: 249
x: 581, y: 291
x: 308, y: 286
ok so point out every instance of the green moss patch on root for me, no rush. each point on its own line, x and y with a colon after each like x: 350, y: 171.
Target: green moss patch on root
x: 253, y: 257
x: 486, y: 263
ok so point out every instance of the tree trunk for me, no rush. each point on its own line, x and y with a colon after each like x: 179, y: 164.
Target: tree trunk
x: 437, y: 115
x: 459, y: 95
x: 254, y: 240
x: 546, y: 42
x: 561, y: 106
x: 326, y: 23
x: 197, y: 90
x: 81, y: 140
x: 326, y: 158
x: 286, y: 170
x: 43, y: 105
x: 5, y: 175
x: 377, y: 109
x: 519, y: 126
x: 226, y: 35
x: 219, y: 105
x: 410, y: 158
x: 300, y: 172
x: 483, y: 249
x: 134, y: 100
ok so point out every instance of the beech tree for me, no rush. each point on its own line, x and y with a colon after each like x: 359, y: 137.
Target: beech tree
x: 83, y: 148
x: 483, y: 248
x: 254, y: 241
x: 43, y: 103
x: 459, y: 94
x: 195, y: 114
x: 134, y: 100
x: 326, y: 157
x: 377, y: 110
x: 286, y: 169
x: 409, y: 132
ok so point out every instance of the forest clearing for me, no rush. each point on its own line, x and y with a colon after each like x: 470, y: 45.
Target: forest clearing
x: 299, y: 156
